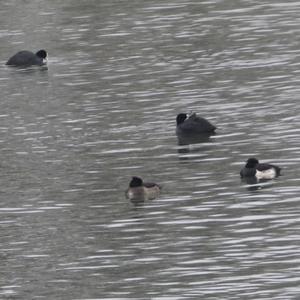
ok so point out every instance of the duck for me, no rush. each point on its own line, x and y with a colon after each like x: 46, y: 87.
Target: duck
x: 258, y: 170
x: 26, y: 58
x: 193, y: 125
x: 139, y: 191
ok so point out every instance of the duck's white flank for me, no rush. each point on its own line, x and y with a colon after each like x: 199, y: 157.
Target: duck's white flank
x: 267, y: 174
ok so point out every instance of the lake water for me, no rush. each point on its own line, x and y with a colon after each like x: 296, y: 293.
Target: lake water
x: 73, y: 134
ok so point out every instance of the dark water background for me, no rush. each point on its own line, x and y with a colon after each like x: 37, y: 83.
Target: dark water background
x: 71, y: 137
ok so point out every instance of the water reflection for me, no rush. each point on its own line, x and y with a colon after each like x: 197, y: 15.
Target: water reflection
x: 254, y: 184
x: 187, y: 139
x: 27, y: 70
x: 191, y: 145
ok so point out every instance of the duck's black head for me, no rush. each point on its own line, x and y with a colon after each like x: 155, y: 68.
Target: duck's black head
x: 251, y: 162
x: 180, y: 118
x: 136, y: 182
x: 42, y: 54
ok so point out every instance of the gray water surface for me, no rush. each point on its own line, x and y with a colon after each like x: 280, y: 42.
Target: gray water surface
x: 73, y: 134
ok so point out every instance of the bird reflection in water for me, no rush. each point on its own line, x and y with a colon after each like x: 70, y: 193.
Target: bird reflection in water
x: 185, y: 140
x: 254, y: 184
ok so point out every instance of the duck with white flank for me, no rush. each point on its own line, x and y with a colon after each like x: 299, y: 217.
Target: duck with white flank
x: 259, y: 170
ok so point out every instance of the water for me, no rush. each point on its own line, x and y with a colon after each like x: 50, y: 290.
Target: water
x: 72, y: 135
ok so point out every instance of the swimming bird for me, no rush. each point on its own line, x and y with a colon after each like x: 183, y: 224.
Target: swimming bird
x: 27, y: 58
x: 139, y: 191
x: 193, y: 125
x: 261, y: 171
